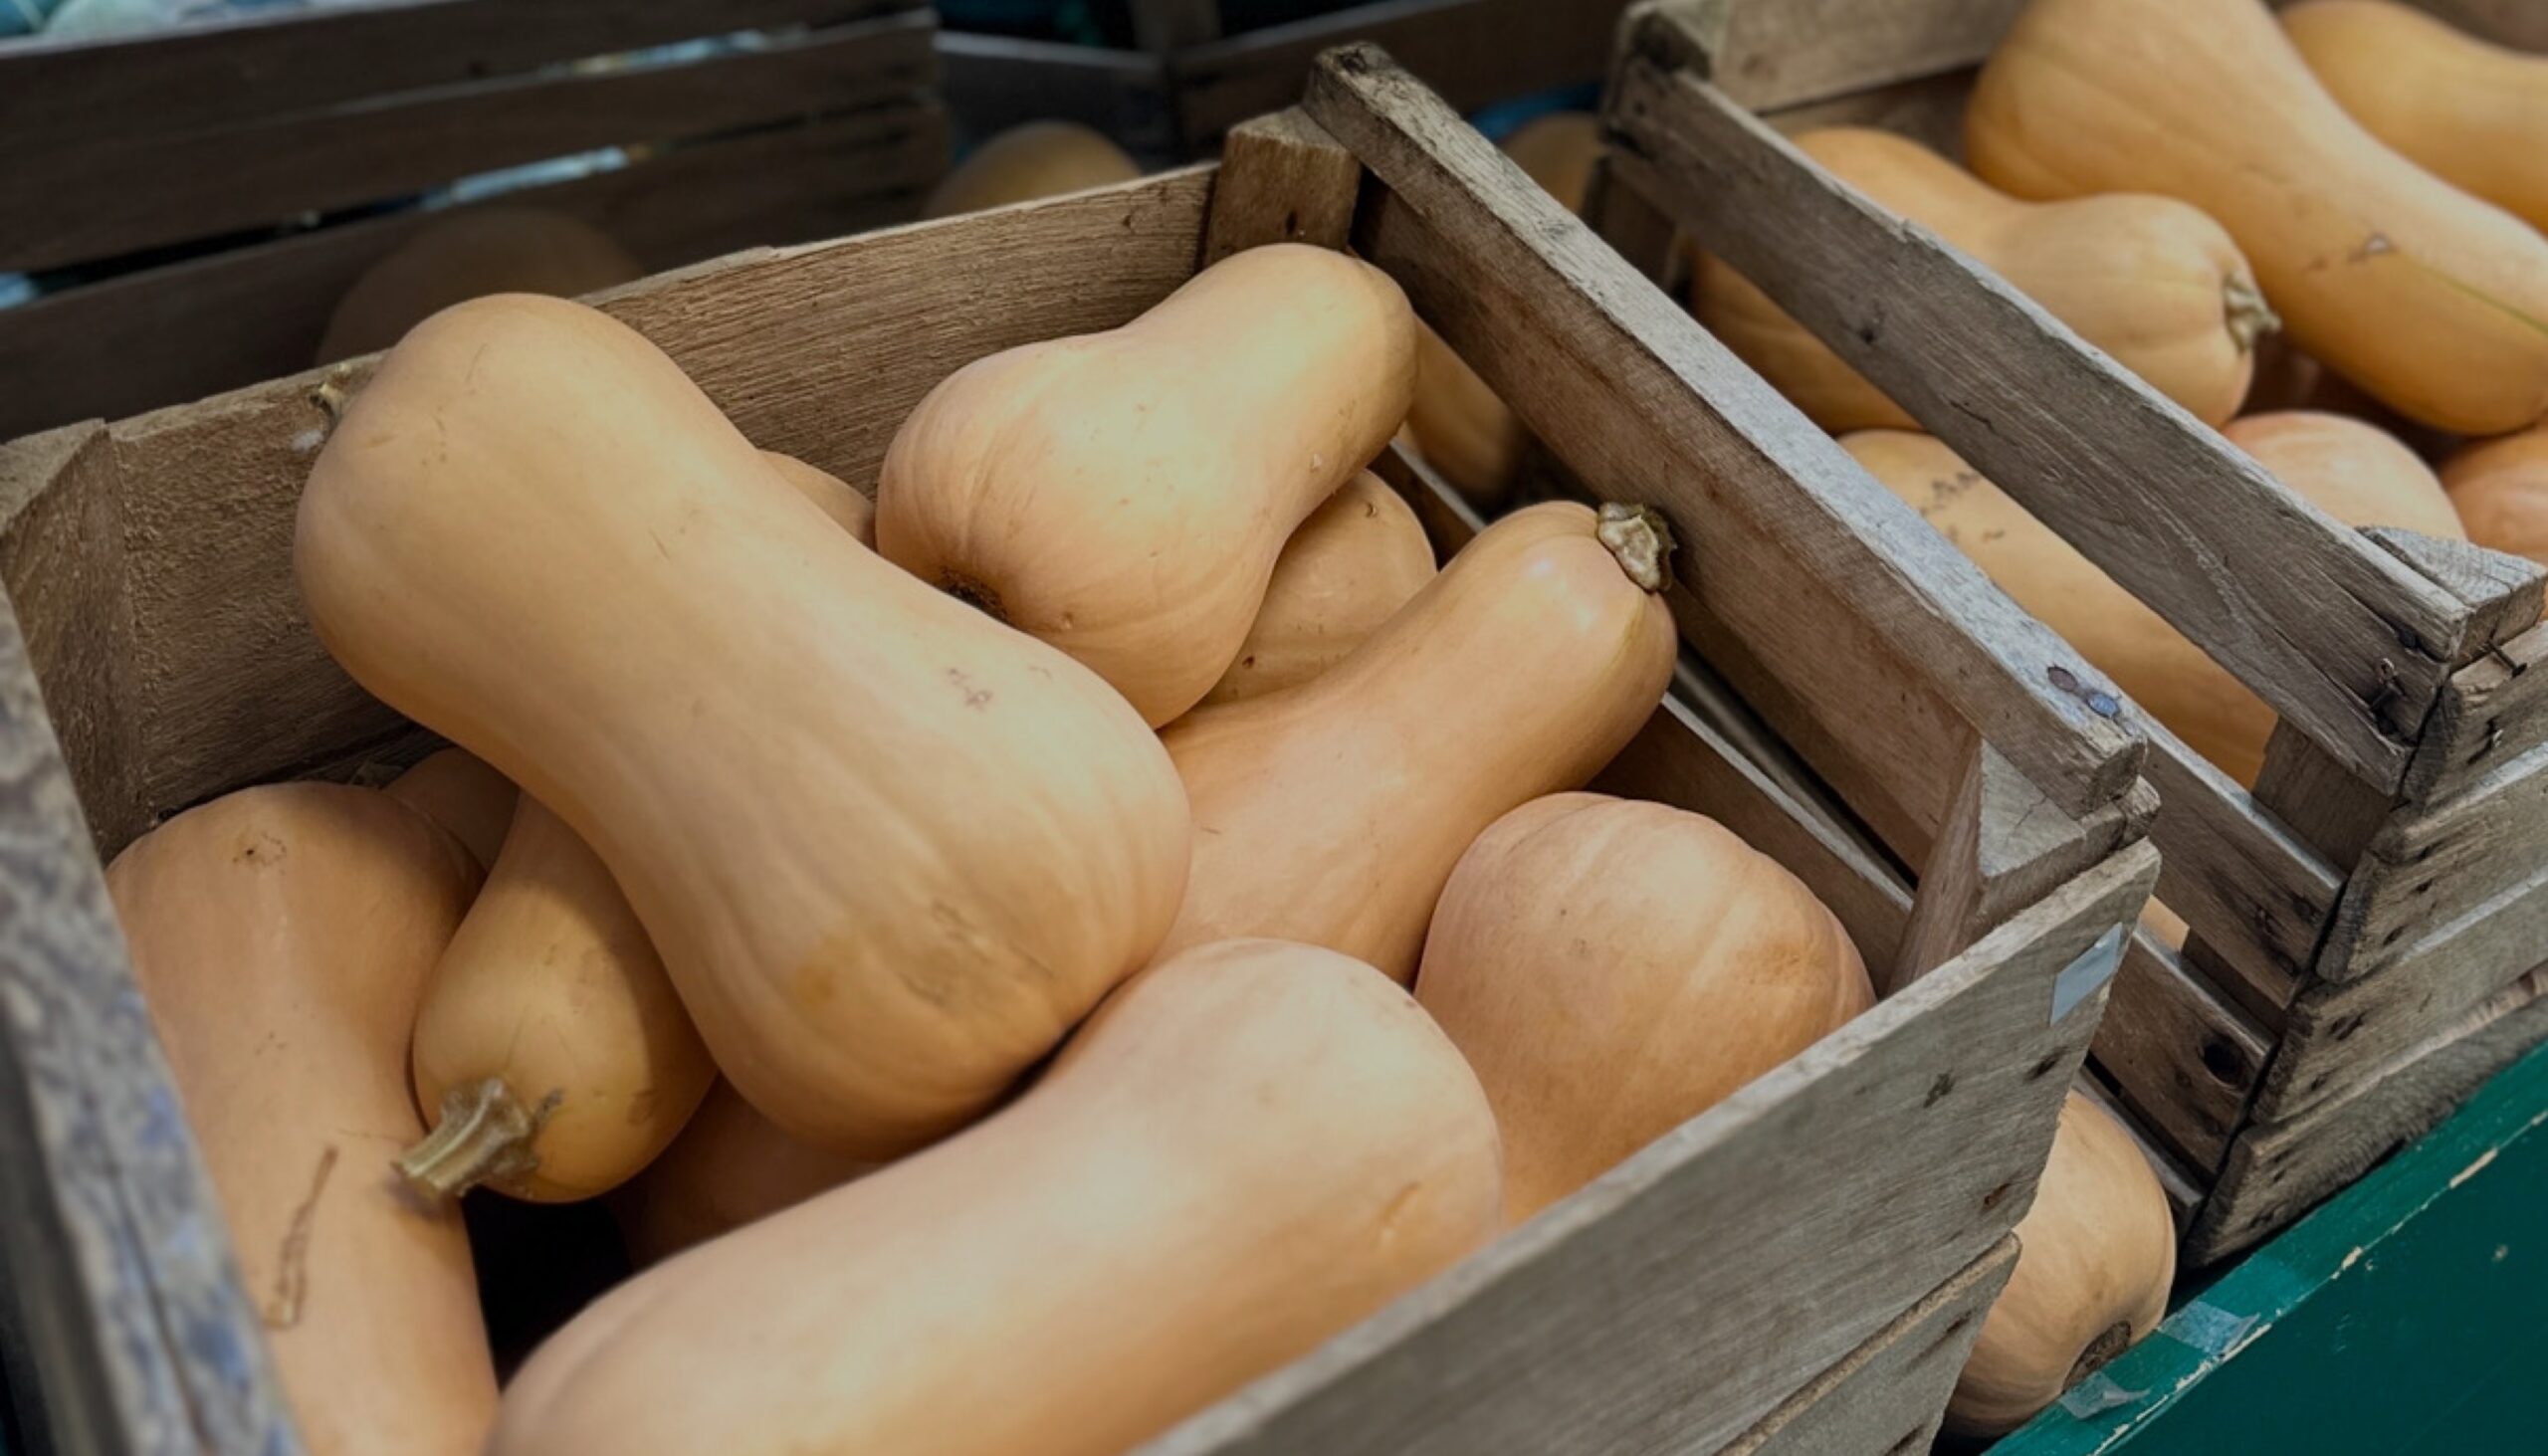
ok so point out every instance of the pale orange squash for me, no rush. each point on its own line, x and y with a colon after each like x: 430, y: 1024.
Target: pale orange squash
x: 2501, y: 490
x: 552, y: 1052
x: 729, y: 1167
x: 1611, y: 968
x: 457, y: 790
x: 836, y: 497
x: 1124, y: 496
x: 282, y: 936
x: 1027, y: 161
x: 2433, y: 301
x: 2149, y: 280
x: 468, y: 255
x: 2472, y: 113
x: 889, y: 850
x: 2095, y: 1257
x: 1348, y: 570
x: 1332, y: 813
x: 1249, y: 1147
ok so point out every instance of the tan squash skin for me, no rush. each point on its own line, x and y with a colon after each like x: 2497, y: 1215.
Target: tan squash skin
x: 2501, y: 490
x: 2347, y: 468
x: 1028, y: 161
x: 2152, y: 282
x: 468, y: 255
x: 1249, y: 1147
x: 729, y: 1167
x: 2472, y: 113
x: 2095, y: 1256
x: 551, y: 1053
x: 1124, y: 496
x: 1611, y: 968
x: 1332, y: 813
x: 2432, y: 301
x: 836, y: 497
x: 1461, y: 427
x: 889, y: 850
x: 282, y: 936
x: 457, y: 790
x: 1348, y: 570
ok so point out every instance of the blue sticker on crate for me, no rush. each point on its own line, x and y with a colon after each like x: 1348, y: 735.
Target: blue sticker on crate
x: 2095, y: 967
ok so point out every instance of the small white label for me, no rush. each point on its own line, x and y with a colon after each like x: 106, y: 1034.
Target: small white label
x: 2095, y: 967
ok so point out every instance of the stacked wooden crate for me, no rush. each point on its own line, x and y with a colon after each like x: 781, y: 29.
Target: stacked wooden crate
x: 1802, y: 1267
x: 211, y: 192
x: 2369, y: 923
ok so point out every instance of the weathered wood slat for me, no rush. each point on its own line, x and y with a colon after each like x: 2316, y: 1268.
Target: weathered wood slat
x: 994, y: 82
x: 1891, y: 1393
x: 2184, y: 1058
x: 193, y: 329
x: 1771, y: 509
x: 55, y: 94
x: 1929, y: 110
x: 1283, y: 180
x: 2257, y: 895
x: 88, y: 200
x: 2426, y: 868
x: 2492, y: 712
x: 1772, y: 54
x: 2318, y: 626
x: 1661, y: 1254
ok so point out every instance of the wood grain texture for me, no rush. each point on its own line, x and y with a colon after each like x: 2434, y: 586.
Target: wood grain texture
x: 1677, y: 1301
x: 1771, y: 54
x: 2278, y: 1172
x: 2339, y: 637
x: 994, y: 82
x: 1473, y: 51
x: 122, y: 1253
x: 2181, y: 1055
x: 1283, y: 180
x: 2424, y: 869
x: 94, y: 200
x: 56, y: 94
x: 179, y: 332
x: 2501, y: 592
x: 2252, y: 890
x: 1891, y: 1393
x: 1929, y: 110
x: 2492, y: 711
x: 1770, y: 508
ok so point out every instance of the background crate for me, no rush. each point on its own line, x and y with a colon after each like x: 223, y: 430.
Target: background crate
x: 1802, y: 1267
x: 1194, y: 68
x: 2382, y: 897
x: 175, y: 177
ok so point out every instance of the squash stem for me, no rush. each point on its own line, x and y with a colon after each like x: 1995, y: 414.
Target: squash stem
x: 1641, y: 540
x: 2250, y: 317
x: 2112, y: 1341
x: 484, y: 1132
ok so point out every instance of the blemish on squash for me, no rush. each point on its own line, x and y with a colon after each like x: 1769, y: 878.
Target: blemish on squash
x: 1397, y: 1211
x: 975, y: 698
x: 262, y: 849
x: 2371, y: 247
x: 976, y: 594
x: 292, y: 1269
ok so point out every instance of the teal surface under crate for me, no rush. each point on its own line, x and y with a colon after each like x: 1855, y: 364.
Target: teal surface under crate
x: 2402, y: 1319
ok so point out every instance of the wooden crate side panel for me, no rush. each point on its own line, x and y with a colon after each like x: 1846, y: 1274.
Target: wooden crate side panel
x: 2316, y: 625
x: 1682, y: 1297
x: 2426, y: 868
x: 2492, y: 712
x: 1891, y: 1393
x: 2256, y: 893
x: 994, y: 82
x: 1929, y: 110
x: 63, y: 93
x: 1774, y: 54
x: 193, y: 329
x: 1643, y: 405
x: 2185, y: 1059
x: 96, y: 200
x: 1473, y: 51
x: 2279, y: 1171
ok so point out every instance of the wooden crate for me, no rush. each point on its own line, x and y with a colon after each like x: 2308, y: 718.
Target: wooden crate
x: 2376, y: 903
x: 182, y: 169
x: 1801, y: 1269
x: 1187, y: 81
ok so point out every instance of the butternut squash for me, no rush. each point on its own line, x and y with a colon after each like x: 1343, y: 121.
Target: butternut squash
x: 889, y: 850
x: 2345, y: 466
x: 729, y: 1167
x: 2432, y: 301
x: 836, y: 497
x: 2095, y: 1255
x: 2501, y: 490
x: 552, y: 1052
x: 468, y: 255
x: 457, y: 790
x: 282, y: 936
x: 1613, y: 968
x: 1459, y: 425
x: 1348, y: 570
x: 1331, y: 813
x: 2472, y: 113
x: 2152, y: 282
x: 1249, y: 1147
x: 1028, y: 161
x: 1124, y: 496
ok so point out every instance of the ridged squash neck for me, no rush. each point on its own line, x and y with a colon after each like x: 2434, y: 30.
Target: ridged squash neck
x: 484, y: 1132
x: 2250, y: 317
